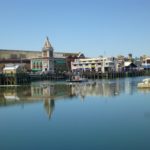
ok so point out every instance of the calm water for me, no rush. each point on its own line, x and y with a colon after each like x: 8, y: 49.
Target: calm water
x: 98, y: 115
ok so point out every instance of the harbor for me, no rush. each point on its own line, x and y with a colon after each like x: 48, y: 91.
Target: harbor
x: 23, y: 67
x: 75, y: 75
x: 102, y: 108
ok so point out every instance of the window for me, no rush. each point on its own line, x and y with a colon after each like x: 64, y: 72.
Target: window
x: 37, y: 65
x: 148, y: 61
x: 40, y: 64
x: 99, y: 69
x: 51, y: 53
x: 111, y: 63
x: 45, y: 54
x: 33, y: 65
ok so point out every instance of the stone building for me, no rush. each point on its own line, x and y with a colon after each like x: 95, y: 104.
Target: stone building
x: 46, y: 61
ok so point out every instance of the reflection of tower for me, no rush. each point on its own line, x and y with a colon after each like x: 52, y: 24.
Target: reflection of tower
x: 49, y: 105
x: 47, y: 55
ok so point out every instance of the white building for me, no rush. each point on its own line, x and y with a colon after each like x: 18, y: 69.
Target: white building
x: 14, y: 68
x: 146, y: 63
x: 100, y: 64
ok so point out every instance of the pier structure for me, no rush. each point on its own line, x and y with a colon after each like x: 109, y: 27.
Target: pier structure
x: 14, y: 79
x: 111, y: 75
x: 24, y: 78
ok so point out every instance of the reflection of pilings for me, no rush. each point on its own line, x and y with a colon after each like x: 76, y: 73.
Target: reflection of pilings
x: 49, y: 107
x: 1, y: 79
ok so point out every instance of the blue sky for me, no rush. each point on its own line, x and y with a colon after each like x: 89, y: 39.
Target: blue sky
x: 94, y: 27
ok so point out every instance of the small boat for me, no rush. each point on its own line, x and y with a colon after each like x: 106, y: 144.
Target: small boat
x: 144, y: 84
x: 77, y: 79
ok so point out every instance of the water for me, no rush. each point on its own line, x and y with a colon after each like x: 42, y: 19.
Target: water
x: 98, y: 115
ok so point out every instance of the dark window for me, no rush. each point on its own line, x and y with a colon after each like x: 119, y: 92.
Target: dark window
x: 148, y: 61
x: 45, y: 53
x: 51, y: 53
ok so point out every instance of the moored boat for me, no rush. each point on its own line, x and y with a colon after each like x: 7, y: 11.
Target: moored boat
x: 77, y: 79
x: 144, y: 84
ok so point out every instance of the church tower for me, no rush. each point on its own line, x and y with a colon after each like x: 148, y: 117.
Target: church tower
x: 47, y: 57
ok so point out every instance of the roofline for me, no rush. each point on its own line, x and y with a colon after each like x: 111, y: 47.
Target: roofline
x: 37, y: 51
x: 20, y: 50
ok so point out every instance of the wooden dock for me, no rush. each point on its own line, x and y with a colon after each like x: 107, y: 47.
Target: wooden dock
x: 111, y: 75
x: 15, y: 79
x: 22, y: 79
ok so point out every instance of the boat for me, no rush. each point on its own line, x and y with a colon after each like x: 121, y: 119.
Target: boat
x: 77, y: 78
x: 144, y: 84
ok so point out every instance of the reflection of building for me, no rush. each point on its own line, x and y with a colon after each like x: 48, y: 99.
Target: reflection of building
x: 48, y: 92
x: 11, y: 95
x: 49, y: 106
x: 96, y: 89
x: 34, y: 93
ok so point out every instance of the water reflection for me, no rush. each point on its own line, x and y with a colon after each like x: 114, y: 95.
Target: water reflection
x: 49, y: 92
x: 49, y: 107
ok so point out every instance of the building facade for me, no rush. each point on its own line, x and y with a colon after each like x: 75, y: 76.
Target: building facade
x: 146, y: 63
x: 41, y: 60
x: 46, y: 62
x: 100, y: 64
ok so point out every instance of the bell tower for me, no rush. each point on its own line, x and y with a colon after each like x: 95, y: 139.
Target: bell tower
x: 47, y: 50
x: 47, y: 57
